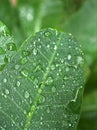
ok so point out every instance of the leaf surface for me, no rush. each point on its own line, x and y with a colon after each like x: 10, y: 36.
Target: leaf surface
x: 41, y: 87
x: 7, y: 46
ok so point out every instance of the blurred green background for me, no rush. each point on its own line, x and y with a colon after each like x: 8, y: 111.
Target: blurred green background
x: 79, y: 17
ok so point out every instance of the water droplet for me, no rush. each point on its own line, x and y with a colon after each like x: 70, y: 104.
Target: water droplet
x: 17, y: 67
x: 67, y: 69
x: 49, y: 80
x: 69, y: 57
x: 53, y: 89
x: 41, y: 99
x: 69, y: 125
x: 79, y: 60
x: 27, y: 94
x: 25, y: 112
x: 4, y: 80
x: 65, y: 77
x: 26, y: 53
x: 48, y: 46
x: 39, y: 91
x: 18, y: 83
x: 24, y: 73
x: 11, y: 47
x: 52, y: 67
x: 48, y: 110
x: 47, y: 34
x: 55, y: 47
x: 34, y: 51
x: 6, y: 91
x: 24, y: 60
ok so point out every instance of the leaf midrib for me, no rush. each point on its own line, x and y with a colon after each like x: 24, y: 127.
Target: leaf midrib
x: 40, y: 90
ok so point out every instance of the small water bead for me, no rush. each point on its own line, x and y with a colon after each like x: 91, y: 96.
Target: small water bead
x: 49, y: 80
x: 65, y: 77
x: 48, y: 110
x: 55, y: 47
x: 48, y: 46
x: 17, y: 67
x: 79, y: 60
x: 11, y: 47
x: 26, y: 53
x: 69, y: 125
x: 24, y: 60
x: 47, y: 34
x: 67, y: 69
x: 27, y: 94
x: 25, y: 112
x: 34, y: 51
x: 6, y: 91
x: 69, y: 57
x: 39, y: 90
x: 24, y: 73
x: 41, y: 99
x: 18, y: 83
x: 52, y: 67
x: 4, y: 80
x: 53, y: 89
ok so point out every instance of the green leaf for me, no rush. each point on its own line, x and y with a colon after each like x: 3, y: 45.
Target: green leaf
x: 83, y: 25
x: 7, y: 46
x: 41, y: 87
x: 9, y: 15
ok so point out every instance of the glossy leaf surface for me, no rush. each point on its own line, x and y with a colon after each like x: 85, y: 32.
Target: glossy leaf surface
x: 41, y: 87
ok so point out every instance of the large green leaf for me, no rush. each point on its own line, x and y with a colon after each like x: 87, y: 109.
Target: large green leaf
x: 83, y: 25
x: 41, y: 87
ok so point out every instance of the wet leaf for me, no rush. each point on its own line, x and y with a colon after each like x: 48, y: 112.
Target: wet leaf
x: 7, y: 46
x: 41, y: 87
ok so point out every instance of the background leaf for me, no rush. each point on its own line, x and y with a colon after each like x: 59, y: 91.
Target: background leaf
x: 83, y: 26
x: 7, y: 46
x: 41, y: 87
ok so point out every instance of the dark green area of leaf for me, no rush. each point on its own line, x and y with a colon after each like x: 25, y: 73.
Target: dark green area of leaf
x: 41, y: 87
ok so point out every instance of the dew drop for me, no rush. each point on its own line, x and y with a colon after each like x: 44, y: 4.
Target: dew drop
x: 24, y: 60
x: 53, y: 89
x: 52, y: 67
x: 4, y: 80
x: 41, y: 99
x: 67, y: 69
x: 39, y: 91
x: 69, y: 57
x: 47, y: 34
x: 6, y: 91
x: 17, y: 67
x: 48, y: 110
x: 49, y: 80
x: 26, y: 53
x: 34, y: 51
x: 27, y: 94
x: 69, y: 125
x: 24, y: 73
x: 55, y: 47
x: 48, y: 46
x: 79, y: 60
x: 18, y: 83
x: 11, y: 47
